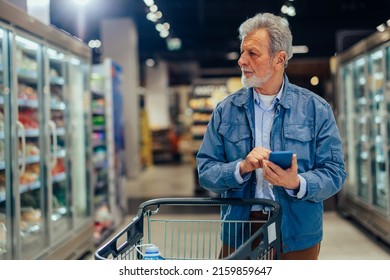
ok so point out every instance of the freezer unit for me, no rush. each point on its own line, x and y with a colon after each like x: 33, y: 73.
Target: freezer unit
x: 362, y: 75
x: 45, y: 188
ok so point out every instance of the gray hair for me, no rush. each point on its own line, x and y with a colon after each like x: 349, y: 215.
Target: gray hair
x: 278, y: 30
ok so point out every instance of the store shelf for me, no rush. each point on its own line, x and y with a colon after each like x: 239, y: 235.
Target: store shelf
x: 205, y: 96
x: 161, y: 146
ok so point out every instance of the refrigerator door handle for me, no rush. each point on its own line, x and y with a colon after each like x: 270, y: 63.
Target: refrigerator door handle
x: 53, y: 128
x: 23, y: 138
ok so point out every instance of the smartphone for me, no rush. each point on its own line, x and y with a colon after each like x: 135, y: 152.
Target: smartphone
x: 281, y: 158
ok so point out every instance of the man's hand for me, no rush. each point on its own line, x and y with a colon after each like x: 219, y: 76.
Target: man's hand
x: 275, y: 175
x: 254, y: 160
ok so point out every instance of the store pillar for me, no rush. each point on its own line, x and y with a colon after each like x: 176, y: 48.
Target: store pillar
x: 157, y: 95
x: 120, y: 43
x: 35, y: 8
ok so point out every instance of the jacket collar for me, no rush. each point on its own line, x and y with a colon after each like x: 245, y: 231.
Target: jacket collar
x: 244, y: 96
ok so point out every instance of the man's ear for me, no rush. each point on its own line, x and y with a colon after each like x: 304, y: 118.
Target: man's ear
x: 280, y: 59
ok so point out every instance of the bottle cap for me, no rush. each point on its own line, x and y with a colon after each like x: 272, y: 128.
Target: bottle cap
x: 152, y: 250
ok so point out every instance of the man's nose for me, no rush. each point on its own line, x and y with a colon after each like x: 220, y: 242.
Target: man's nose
x: 242, y: 60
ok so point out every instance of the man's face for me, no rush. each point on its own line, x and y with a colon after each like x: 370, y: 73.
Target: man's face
x: 255, y: 61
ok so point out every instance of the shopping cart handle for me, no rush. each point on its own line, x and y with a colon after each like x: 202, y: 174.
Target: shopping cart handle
x: 210, y: 201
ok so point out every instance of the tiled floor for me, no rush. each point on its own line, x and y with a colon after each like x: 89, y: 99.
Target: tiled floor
x: 342, y: 238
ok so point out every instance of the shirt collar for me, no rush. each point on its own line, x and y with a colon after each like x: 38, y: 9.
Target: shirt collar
x: 256, y: 97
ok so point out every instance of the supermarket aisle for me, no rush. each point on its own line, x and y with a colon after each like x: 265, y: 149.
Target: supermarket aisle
x: 342, y: 239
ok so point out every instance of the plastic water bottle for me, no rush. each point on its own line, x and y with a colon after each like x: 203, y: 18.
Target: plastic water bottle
x: 152, y: 253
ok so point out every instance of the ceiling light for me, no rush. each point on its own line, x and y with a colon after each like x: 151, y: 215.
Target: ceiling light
x: 148, y: 2
x: 232, y: 56
x: 94, y: 44
x: 173, y: 44
x: 91, y: 44
x: 314, y: 81
x: 152, y: 17
x: 300, y: 49
x: 164, y: 33
x: 284, y: 9
x: 291, y: 11
x: 150, y: 62
x: 381, y: 27
x: 288, y: 9
x: 162, y: 27
x: 98, y: 43
x: 153, y: 8
x: 159, y: 27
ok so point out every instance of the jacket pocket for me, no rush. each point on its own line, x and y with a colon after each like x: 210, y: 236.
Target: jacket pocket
x: 299, y: 138
x: 237, y: 140
x: 234, y: 132
x: 299, y: 132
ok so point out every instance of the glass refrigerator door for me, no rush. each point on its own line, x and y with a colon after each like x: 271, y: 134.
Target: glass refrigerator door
x: 362, y: 128
x: 348, y: 126
x: 5, y: 155
x: 58, y: 123
x: 387, y: 122
x: 28, y: 60
x: 78, y: 83
x: 100, y: 154
x: 378, y: 133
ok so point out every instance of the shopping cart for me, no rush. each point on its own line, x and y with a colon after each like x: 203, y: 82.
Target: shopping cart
x: 180, y: 237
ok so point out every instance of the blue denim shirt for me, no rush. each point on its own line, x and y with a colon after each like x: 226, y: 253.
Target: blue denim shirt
x: 305, y: 124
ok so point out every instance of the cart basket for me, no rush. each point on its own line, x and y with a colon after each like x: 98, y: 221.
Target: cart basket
x: 180, y: 238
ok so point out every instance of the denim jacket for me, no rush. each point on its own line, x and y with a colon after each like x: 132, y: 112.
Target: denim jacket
x: 304, y: 123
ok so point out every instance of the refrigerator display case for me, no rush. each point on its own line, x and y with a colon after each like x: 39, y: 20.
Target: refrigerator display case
x: 108, y: 147
x: 362, y: 75
x: 102, y: 156
x: 45, y: 189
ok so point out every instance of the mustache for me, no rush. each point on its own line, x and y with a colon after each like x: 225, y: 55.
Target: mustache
x: 246, y: 70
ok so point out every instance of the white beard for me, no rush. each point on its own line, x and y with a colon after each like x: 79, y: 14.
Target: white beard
x: 255, y: 81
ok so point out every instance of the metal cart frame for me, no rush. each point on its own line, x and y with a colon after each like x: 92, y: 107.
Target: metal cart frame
x: 127, y: 244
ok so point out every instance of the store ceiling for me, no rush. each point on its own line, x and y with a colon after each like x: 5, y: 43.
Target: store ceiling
x: 208, y: 28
